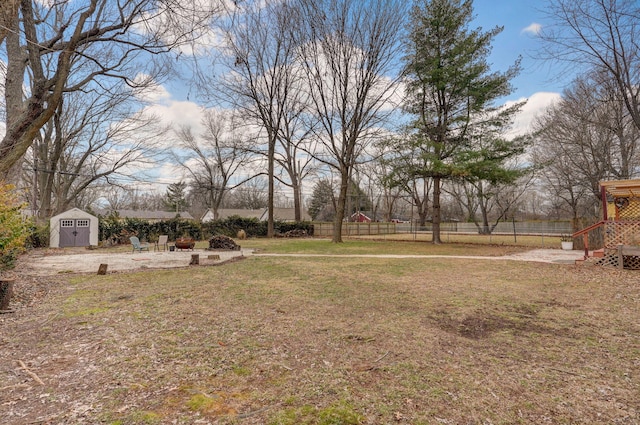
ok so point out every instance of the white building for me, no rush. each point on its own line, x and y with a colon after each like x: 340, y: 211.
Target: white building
x: 73, y: 228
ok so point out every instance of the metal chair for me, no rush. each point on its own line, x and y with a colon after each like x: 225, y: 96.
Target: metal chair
x: 162, y: 243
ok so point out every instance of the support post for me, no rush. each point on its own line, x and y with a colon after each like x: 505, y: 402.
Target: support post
x: 620, y: 257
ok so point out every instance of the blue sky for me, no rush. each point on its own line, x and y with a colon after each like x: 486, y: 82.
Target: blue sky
x: 519, y: 17
x: 540, y: 82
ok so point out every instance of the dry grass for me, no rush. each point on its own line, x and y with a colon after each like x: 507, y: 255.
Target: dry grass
x: 330, y: 341
x: 379, y: 245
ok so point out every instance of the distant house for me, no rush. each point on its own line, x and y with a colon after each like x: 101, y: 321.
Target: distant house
x: 359, y: 217
x: 284, y: 214
x: 224, y: 213
x: 279, y: 214
x: 150, y: 216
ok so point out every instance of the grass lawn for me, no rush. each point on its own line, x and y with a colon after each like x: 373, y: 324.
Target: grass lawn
x: 286, y: 340
x: 391, y: 244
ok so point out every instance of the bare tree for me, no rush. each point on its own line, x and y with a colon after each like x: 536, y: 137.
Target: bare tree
x: 295, y: 149
x: 382, y: 193
x: 117, y: 198
x: 401, y: 158
x: 486, y: 203
x: 53, y: 48
x: 599, y: 34
x: 251, y: 195
x: 261, y: 83
x: 349, y: 53
x: 8, y: 16
x: 214, y: 158
x: 587, y: 137
x: 91, y: 141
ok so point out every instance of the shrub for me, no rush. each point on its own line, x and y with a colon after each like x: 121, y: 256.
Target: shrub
x: 39, y: 235
x: 118, y: 231
x: 230, y: 226
x: 14, y: 228
x: 284, y: 227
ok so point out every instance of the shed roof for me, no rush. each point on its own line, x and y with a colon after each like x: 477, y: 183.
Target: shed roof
x: 73, y: 213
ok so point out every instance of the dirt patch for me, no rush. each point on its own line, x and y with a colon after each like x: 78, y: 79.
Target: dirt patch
x: 483, y: 323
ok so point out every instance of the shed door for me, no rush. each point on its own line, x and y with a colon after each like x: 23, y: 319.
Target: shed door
x: 74, y: 232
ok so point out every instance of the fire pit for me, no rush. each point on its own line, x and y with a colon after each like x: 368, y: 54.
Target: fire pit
x: 185, y: 243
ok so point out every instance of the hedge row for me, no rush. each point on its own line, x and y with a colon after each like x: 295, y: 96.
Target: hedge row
x: 115, y: 231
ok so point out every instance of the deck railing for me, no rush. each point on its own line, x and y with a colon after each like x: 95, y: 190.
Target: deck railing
x: 615, y: 233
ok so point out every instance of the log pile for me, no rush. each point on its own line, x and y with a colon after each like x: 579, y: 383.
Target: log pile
x: 295, y: 233
x: 223, y: 242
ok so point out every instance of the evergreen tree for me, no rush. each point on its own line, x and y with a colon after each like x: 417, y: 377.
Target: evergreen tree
x: 451, y: 93
x: 358, y: 200
x: 176, y: 197
x: 322, y: 206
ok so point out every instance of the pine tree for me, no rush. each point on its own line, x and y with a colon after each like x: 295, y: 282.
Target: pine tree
x: 322, y: 205
x: 451, y: 93
x: 176, y: 197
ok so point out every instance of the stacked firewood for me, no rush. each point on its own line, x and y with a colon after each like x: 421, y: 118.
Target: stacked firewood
x: 295, y: 233
x: 223, y: 242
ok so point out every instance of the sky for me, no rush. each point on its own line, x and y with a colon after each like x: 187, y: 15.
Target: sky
x: 540, y: 82
x: 521, y: 20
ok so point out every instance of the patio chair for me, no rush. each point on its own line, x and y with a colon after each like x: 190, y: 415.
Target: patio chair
x: 137, y: 246
x: 162, y: 243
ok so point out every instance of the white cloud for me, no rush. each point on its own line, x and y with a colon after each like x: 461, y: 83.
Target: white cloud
x: 150, y: 91
x: 536, y: 104
x: 533, y: 29
x: 178, y: 113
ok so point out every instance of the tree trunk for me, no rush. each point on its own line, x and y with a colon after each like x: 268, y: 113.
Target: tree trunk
x: 436, y: 219
x: 297, y: 202
x: 8, y: 16
x: 6, y: 292
x: 340, y: 208
x: 271, y: 154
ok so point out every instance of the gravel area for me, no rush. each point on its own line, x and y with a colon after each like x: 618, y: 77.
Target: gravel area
x: 52, y: 262
x: 48, y: 262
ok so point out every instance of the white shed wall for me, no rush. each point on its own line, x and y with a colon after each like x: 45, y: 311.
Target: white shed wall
x: 74, y: 213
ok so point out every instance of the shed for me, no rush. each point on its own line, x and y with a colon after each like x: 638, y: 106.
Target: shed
x: 73, y: 228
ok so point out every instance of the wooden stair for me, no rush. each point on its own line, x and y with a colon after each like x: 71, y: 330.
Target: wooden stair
x: 593, y: 259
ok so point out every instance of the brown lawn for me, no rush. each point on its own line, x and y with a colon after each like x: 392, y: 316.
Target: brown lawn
x: 285, y: 340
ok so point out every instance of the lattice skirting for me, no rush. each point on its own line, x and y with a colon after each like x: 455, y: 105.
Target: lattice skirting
x: 621, y: 233
x: 631, y: 262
